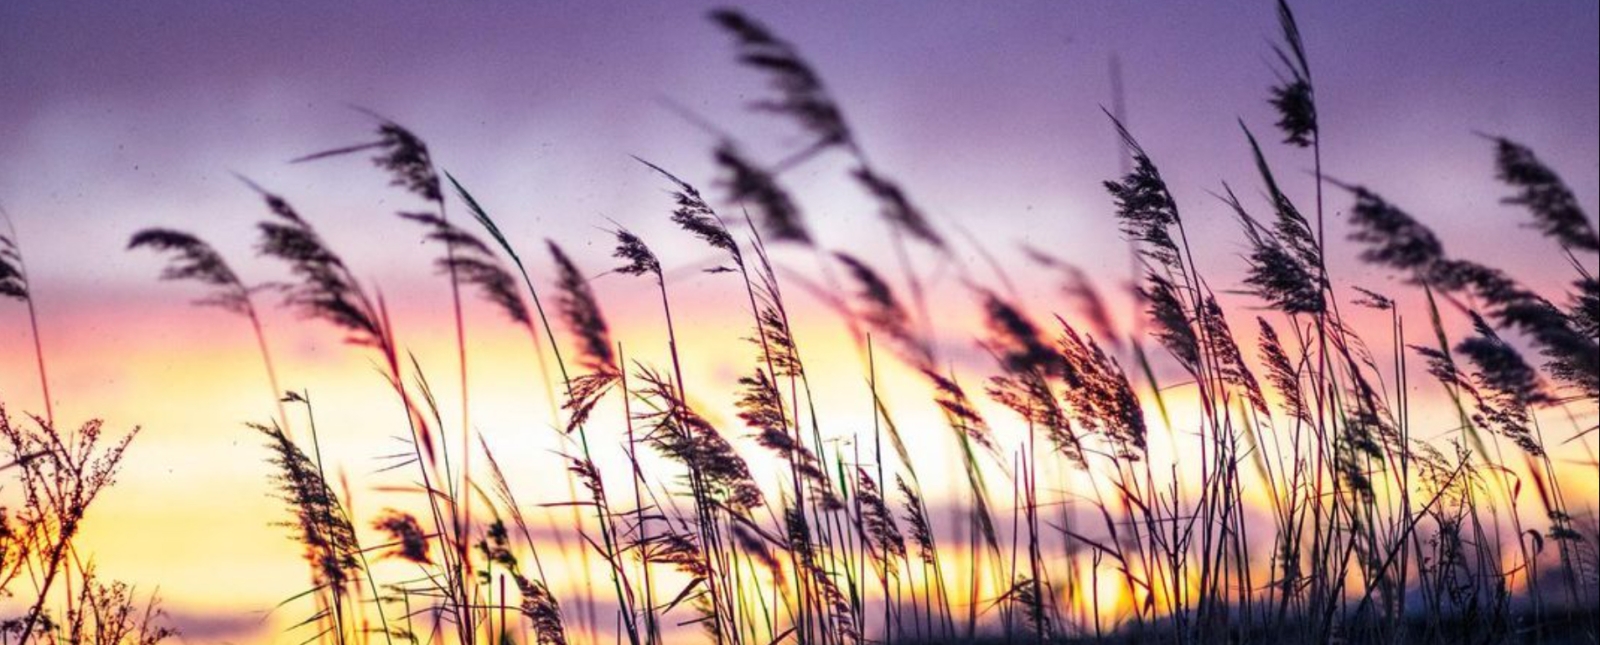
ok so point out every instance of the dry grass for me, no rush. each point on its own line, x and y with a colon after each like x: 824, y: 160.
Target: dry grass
x: 1370, y: 532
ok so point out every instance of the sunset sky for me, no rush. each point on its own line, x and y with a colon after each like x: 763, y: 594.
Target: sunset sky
x: 116, y: 117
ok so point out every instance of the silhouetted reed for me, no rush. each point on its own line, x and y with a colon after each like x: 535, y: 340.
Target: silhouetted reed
x: 14, y: 285
x: 321, y: 526
x: 194, y: 260
x: 801, y: 95
x: 1325, y: 515
x: 747, y: 183
x: 1554, y: 208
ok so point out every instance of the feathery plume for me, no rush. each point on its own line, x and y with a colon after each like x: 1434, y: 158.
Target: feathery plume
x: 542, y: 610
x: 1275, y: 275
x: 1373, y: 300
x: 883, y: 313
x: 1393, y: 237
x: 13, y: 281
x: 1285, y: 261
x: 581, y: 312
x: 1369, y: 425
x: 1230, y: 365
x: 588, y: 475
x: 1585, y: 311
x: 897, y: 208
x: 638, y: 258
x: 1555, y: 209
x: 400, y: 153
x: 1173, y: 328
x: 1282, y: 373
x: 327, y: 290
x: 761, y: 408
x: 1028, y: 364
x: 1510, y: 385
x: 878, y: 523
x: 1398, y: 241
x: 1144, y: 204
x: 693, y: 214
x: 682, y: 551
x: 473, y: 263
x: 800, y: 92
x: 1294, y: 97
x: 785, y: 355
x: 406, y: 536
x: 320, y: 522
x: 841, y: 611
x: 1102, y: 400
x: 679, y: 433
x: 917, y: 518
x: 1017, y: 344
x: 1025, y: 592
x: 746, y: 182
x: 193, y: 259
x: 960, y: 411
x: 1291, y: 227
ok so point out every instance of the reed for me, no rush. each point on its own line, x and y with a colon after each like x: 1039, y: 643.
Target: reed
x: 1304, y: 499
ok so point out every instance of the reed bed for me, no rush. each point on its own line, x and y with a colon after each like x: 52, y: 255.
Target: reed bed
x: 1309, y: 508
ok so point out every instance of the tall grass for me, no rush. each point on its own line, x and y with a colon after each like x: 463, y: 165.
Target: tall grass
x: 1310, y: 504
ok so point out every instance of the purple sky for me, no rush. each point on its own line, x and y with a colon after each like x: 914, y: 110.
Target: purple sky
x: 117, y: 117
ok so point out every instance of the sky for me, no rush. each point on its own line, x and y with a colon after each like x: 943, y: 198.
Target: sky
x: 122, y: 116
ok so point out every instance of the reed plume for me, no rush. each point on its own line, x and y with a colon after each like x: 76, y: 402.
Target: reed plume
x: 1397, y: 240
x: 1294, y: 97
x: 1229, y: 363
x: 1585, y: 309
x: 878, y: 524
x: 1509, y: 386
x: 1282, y: 373
x: 1100, y: 398
x: 328, y: 291
x: 406, y: 537
x: 473, y: 263
x: 883, y: 313
x: 320, y: 523
x: 541, y: 609
x: 195, y: 260
x: 1549, y: 200
x: 801, y: 95
x: 1028, y: 367
x: 13, y: 280
x: 897, y: 209
x: 637, y: 258
x: 1285, y: 260
x: 761, y: 408
x: 400, y: 153
x: 693, y: 214
x: 1144, y: 205
x: 1173, y: 328
x: 581, y: 312
x: 14, y: 284
x: 681, y: 434
x: 747, y: 183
